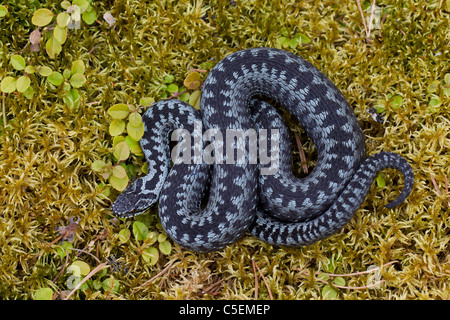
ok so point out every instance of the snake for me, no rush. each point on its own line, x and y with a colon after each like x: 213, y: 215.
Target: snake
x: 280, y: 208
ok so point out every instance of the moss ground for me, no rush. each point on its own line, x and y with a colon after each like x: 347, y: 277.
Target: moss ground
x: 47, y: 148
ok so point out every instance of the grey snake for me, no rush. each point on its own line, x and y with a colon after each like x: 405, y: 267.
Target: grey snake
x: 280, y: 209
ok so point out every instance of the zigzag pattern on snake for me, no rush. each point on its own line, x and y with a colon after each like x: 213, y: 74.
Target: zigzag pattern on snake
x: 279, y: 209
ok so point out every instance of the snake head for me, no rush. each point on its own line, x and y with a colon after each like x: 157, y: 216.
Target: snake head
x: 133, y: 200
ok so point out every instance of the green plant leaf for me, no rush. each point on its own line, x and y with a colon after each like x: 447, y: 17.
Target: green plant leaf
x: 89, y: 16
x: 78, y: 67
x: 29, y: 93
x: 119, y: 111
x: 79, y: 267
x: 83, y: 4
x: 447, y: 75
x: 396, y: 102
x: 23, y: 83
x: 135, y: 133
x: 98, y: 165
x: 62, y: 249
x: 165, y: 247
x: 433, y: 86
x: 124, y: 235
x: 150, y: 255
x: 111, y: 284
x: 3, y: 11
x: 172, y: 88
x: 168, y: 79
x: 30, y: 69
x: 146, y: 102
x: 18, y: 62
x: 116, y: 127
x: 44, y: 71
x: 60, y: 34
x: 53, y: 47
x: 328, y: 292
x: 8, y: 84
x: 380, y: 181
x: 119, y: 172
x: 77, y: 80
x: 121, y: 151
x: 42, y: 17
x: 72, y: 98
x: 55, y: 78
x: 135, y: 148
x: 62, y: 19
x: 339, y: 281
x: 118, y: 183
x: 144, y: 168
x: 43, y: 294
x: 135, y: 119
x: 192, y: 81
x: 140, y: 230
x: 194, y: 99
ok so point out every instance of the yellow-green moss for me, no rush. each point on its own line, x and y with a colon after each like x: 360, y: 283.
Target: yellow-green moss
x: 47, y: 149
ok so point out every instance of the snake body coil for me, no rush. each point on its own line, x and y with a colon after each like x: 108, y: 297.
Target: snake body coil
x: 280, y: 208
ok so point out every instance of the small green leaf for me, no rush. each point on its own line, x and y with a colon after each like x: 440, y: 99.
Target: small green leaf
x: 135, y: 119
x: 396, y: 102
x: 44, y: 71
x: 172, y: 88
x: 124, y: 235
x: 150, y: 255
x: 194, y: 99
x: 65, y: 4
x: 118, y: 183
x: 447, y: 75
x: 339, y: 281
x: 55, y: 78
x: 8, y: 84
x: 328, y: 292
x: 43, y: 294
x: 62, y: 19
x: 23, y: 83
x: 67, y: 74
x: 151, y: 238
x: 119, y: 111
x: 116, y: 127
x: 144, y: 168
x: 62, y: 249
x: 119, y: 172
x: 165, y: 247
x: 3, y: 11
x: 323, y: 276
x: 30, y: 69
x: 135, y: 133
x: 78, y: 67
x: 192, y: 81
x: 168, y: 79
x: 42, y: 17
x: 121, y: 151
x: 72, y: 98
x: 77, y: 80
x: 53, y: 47
x: 118, y: 139
x: 380, y: 181
x: 293, y: 43
x: 98, y: 165
x: 111, y: 284
x: 83, y: 4
x: 301, y: 38
x: 79, y: 267
x: 60, y: 34
x: 29, y: 93
x: 18, y: 62
x: 146, y: 102
x: 140, y: 230
x: 435, y: 102
x: 433, y: 86
x: 135, y: 148
x: 89, y: 16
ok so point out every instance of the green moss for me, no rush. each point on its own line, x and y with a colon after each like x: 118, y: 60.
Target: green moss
x: 47, y: 148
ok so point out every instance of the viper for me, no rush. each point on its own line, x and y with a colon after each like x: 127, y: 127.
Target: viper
x: 277, y: 208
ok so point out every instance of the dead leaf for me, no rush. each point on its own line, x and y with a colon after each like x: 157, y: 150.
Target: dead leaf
x: 68, y: 232
x: 35, y: 40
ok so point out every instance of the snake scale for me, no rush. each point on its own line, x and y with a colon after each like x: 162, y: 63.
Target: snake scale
x: 280, y: 208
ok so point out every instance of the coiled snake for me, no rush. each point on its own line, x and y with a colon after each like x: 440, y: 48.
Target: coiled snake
x: 277, y: 208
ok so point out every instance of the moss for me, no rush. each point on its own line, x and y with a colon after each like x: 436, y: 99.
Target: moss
x: 47, y: 148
